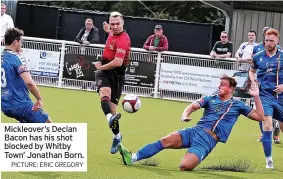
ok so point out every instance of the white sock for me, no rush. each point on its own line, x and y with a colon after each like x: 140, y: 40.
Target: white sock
x: 134, y: 158
x: 108, y: 116
x: 269, y: 158
x: 117, y: 136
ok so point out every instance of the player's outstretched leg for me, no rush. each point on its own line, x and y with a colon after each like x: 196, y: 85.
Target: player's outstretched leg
x: 117, y: 137
x: 112, y: 117
x: 172, y: 140
x: 267, y: 141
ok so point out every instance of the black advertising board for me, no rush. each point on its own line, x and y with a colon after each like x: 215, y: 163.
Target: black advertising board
x: 79, y: 67
x: 140, y: 73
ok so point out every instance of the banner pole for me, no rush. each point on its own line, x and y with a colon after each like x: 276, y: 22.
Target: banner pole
x: 62, y: 56
x: 156, y: 83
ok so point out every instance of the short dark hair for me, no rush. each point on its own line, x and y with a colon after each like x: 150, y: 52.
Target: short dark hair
x: 13, y: 34
x: 252, y: 31
x: 232, y: 81
x: 224, y: 32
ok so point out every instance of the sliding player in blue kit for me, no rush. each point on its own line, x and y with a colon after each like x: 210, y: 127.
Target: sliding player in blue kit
x: 16, y: 82
x: 220, y: 114
x: 268, y: 65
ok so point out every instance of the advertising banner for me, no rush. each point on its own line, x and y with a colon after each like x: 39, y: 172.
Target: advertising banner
x: 80, y: 67
x: 192, y: 79
x: 41, y: 62
x: 140, y: 73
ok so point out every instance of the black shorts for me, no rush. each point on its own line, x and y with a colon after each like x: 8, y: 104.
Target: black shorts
x: 111, y: 80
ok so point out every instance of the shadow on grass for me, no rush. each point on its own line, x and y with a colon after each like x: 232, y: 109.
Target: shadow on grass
x: 205, y: 172
x: 232, y: 166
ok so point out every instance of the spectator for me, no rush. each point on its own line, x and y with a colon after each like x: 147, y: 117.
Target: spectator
x: 223, y: 48
x: 6, y: 21
x: 245, y: 51
x: 89, y: 34
x: 157, y: 41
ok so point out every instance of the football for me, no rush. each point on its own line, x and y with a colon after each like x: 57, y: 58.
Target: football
x: 131, y: 103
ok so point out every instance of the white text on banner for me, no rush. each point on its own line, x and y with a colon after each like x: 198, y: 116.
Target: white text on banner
x: 43, y: 147
x: 192, y: 79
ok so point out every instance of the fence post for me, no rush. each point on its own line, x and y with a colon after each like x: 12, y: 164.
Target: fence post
x: 62, y: 56
x: 156, y: 83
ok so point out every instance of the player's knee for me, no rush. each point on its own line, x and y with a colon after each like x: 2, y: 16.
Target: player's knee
x: 105, y: 91
x: 267, y: 124
x: 187, y: 166
x: 165, y: 142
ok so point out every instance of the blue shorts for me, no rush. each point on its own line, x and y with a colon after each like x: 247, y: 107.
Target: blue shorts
x: 25, y: 114
x: 198, y: 141
x: 273, y: 107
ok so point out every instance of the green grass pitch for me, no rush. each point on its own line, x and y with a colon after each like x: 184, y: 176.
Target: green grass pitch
x: 155, y: 119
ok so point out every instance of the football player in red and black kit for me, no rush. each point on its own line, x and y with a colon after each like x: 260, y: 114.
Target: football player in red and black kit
x: 110, y: 74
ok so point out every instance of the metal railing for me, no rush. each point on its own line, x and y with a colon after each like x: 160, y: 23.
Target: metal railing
x: 137, y: 54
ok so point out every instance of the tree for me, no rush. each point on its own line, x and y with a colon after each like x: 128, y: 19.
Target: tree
x: 190, y: 11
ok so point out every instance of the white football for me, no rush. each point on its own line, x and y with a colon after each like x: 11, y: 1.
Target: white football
x: 131, y: 103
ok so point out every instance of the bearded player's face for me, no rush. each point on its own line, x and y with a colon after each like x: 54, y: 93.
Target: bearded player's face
x: 116, y: 24
x: 270, y: 42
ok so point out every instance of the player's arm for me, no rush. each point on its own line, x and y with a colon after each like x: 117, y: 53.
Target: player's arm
x: 201, y: 103
x: 258, y: 113
x: 25, y: 75
x: 188, y: 110
x: 31, y: 85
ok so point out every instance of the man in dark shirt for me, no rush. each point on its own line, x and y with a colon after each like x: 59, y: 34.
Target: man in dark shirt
x: 223, y: 48
x: 89, y: 34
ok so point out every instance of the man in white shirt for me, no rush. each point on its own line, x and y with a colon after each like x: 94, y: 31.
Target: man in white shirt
x: 6, y: 21
x: 245, y: 51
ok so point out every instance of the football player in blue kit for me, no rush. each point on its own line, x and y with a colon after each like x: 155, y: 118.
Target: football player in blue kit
x: 267, y: 68
x: 16, y: 82
x: 220, y: 115
x: 276, y: 129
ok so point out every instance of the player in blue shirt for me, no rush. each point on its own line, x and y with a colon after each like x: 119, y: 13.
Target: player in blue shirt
x: 268, y: 65
x: 16, y: 83
x: 220, y: 115
x: 258, y: 48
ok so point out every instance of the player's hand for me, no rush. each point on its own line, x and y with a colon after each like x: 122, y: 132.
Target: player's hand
x: 106, y: 27
x: 38, y: 105
x: 185, y: 119
x: 98, y: 65
x: 254, y: 90
x: 279, y: 89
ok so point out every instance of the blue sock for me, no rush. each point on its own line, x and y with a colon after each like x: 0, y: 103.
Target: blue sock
x: 260, y: 126
x: 149, y: 150
x: 267, y: 143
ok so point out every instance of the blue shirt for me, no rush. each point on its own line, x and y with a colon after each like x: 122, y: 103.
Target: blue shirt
x: 220, y: 116
x: 269, y: 69
x: 14, y: 92
x: 260, y: 47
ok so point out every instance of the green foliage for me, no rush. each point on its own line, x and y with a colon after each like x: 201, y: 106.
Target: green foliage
x: 190, y: 11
